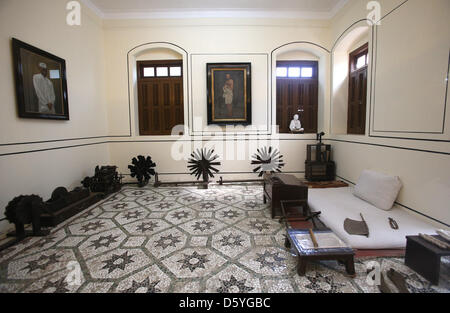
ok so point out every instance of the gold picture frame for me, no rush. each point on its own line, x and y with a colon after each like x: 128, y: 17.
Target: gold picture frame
x: 229, y: 93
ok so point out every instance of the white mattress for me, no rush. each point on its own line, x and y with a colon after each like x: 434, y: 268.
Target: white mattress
x: 337, y: 204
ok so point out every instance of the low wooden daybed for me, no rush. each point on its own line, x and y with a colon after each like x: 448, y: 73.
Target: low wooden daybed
x: 337, y: 204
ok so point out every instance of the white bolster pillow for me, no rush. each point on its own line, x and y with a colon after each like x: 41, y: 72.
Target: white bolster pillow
x: 378, y: 189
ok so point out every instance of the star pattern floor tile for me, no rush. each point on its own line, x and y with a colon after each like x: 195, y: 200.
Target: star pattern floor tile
x: 156, y: 240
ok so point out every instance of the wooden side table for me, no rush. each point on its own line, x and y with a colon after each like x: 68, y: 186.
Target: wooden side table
x: 344, y: 255
x: 424, y: 257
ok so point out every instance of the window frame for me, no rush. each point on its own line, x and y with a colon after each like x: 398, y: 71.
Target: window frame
x: 158, y: 63
x: 301, y: 64
x: 356, y: 54
x: 141, y: 79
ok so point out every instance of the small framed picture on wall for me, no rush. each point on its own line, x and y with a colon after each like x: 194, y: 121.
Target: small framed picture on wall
x: 41, y: 84
x: 229, y: 93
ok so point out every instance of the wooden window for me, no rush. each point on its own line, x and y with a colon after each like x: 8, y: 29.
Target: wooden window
x: 357, y: 91
x: 297, y: 93
x: 160, y: 96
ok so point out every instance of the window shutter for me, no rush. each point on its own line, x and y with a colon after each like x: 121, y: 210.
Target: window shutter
x: 161, y: 101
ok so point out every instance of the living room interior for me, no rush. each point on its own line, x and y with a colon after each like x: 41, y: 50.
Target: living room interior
x: 218, y: 147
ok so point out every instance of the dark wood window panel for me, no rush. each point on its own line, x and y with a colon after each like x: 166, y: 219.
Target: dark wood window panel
x: 160, y: 99
x: 357, y: 93
x: 294, y: 94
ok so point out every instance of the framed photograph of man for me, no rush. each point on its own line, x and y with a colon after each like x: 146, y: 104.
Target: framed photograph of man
x: 41, y: 84
x: 229, y: 93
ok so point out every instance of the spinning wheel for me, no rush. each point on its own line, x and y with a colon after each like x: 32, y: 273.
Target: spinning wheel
x: 268, y: 160
x: 201, y: 164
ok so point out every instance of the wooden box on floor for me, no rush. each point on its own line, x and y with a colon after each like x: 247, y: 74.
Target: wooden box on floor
x: 424, y: 257
x: 279, y: 187
x: 52, y: 219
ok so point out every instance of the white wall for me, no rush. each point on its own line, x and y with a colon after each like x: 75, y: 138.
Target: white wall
x: 39, y: 168
x: 208, y: 41
x: 100, y: 59
x: 260, y: 86
x: 412, y: 49
x: 297, y: 55
x: 422, y: 162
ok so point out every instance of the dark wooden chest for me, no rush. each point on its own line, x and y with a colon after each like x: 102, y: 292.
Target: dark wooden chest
x: 281, y: 187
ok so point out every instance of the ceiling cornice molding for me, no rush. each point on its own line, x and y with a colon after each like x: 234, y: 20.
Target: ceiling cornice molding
x: 216, y: 14
x: 338, y: 7
x: 223, y: 13
x: 93, y: 8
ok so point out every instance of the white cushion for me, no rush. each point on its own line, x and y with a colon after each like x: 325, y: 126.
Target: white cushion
x: 378, y: 189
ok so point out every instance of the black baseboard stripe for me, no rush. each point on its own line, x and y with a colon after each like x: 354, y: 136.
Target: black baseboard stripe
x: 221, y: 140
x: 150, y: 141
x: 229, y: 173
x: 415, y: 211
x: 59, y: 140
x: 348, y: 181
x: 212, y: 140
x: 55, y: 148
x: 410, y: 138
x: 404, y: 206
x: 387, y: 146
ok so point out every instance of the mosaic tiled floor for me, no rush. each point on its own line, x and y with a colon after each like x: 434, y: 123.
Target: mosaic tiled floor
x: 177, y: 240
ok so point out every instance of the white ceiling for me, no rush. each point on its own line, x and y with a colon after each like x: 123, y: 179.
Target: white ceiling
x: 111, y: 9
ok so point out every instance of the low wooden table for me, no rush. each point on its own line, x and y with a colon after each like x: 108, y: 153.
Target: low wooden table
x: 344, y: 255
x: 424, y: 257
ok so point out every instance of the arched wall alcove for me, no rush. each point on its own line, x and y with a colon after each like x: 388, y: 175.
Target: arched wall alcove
x: 304, y: 51
x: 354, y: 37
x: 155, y: 51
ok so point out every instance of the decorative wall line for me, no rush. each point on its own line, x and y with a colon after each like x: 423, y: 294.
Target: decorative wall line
x: 51, y: 149
x: 220, y: 140
x: 373, y: 80
x: 60, y: 140
x: 231, y: 173
x: 392, y: 147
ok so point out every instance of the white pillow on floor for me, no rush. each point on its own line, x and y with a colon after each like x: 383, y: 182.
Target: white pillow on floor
x: 378, y: 189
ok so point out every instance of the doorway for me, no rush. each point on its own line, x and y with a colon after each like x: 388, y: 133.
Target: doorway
x: 357, y: 91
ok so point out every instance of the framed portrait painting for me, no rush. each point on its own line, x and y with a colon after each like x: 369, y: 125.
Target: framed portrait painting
x: 41, y: 84
x: 229, y: 93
